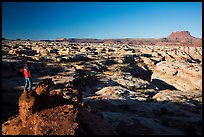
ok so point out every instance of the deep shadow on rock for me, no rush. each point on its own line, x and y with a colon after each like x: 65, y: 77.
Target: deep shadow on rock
x: 162, y: 85
x: 149, y: 117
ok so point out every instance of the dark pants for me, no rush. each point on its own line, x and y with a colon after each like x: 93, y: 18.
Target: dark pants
x: 28, y: 84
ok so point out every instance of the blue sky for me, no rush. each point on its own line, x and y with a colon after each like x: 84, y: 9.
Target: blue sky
x: 51, y: 20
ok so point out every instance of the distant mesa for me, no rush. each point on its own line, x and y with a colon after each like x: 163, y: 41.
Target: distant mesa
x: 182, y: 38
x: 180, y: 34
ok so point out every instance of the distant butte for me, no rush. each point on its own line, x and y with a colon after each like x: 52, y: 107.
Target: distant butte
x: 182, y: 38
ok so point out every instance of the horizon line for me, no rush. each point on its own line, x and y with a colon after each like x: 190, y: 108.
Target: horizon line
x: 90, y: 38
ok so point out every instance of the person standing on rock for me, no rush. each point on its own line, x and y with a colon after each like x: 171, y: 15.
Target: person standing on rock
x: 28, y: 77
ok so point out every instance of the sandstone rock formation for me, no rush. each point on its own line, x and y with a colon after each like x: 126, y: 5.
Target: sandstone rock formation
x: 65, y: 119
x: 184, y: 37
x: 27, y: 106
x: 183, y: 76
x: 104, y: 87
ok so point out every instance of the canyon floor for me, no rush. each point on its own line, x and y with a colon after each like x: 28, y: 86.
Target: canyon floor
x: 125, y: 89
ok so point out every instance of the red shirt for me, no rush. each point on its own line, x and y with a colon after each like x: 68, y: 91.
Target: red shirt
x: 26, y: 73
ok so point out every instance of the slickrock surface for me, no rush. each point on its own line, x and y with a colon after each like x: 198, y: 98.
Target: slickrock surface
x: 103, y: 88
x: 182, y: 75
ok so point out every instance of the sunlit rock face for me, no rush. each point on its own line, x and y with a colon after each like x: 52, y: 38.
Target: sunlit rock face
x: 27, y: 106
x: 183, y: 76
